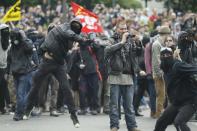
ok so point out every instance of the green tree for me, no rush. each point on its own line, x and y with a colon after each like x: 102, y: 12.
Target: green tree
x: 7, y: 3
x: 130, y: 4
x: 182, y: 5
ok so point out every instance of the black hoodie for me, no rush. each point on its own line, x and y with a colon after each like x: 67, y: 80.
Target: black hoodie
x: 182, y: 84
x: 59, y: 40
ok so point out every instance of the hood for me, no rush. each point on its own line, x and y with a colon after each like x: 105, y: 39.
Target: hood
x: 76, y: 25
x: 76, y: 20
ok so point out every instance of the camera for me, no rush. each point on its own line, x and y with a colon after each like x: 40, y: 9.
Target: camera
x: 131, y: 36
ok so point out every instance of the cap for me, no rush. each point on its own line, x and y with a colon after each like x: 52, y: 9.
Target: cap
x: 166, y: 50
x: 164, y: 30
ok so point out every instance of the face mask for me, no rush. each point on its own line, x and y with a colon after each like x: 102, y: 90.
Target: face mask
x: 5, y: 38
x: 76, y: 28
x: 166, y: 64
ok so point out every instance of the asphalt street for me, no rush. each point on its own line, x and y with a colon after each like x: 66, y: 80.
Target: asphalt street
x: 87, y: 123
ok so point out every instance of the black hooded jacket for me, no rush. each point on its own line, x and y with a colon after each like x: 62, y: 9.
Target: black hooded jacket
x: 59, y: 40
x: 182, y: 84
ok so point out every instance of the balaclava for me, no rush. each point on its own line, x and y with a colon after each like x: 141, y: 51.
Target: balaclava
x: 4, y: 36
x: 76, y: 26
x: 167, y: 60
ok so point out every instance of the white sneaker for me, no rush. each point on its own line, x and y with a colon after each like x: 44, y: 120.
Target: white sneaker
x: 77, y: 125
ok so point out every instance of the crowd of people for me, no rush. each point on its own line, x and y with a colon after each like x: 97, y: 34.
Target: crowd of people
x: 47, y: 64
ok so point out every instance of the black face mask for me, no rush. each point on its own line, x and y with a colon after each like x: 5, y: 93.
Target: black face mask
x: 76, y: 28
x: 5, y: 38
x: 167, y: 64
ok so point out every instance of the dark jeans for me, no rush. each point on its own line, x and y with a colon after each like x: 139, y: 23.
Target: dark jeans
x: 145, y: 84
x: 126, y: 92
x: 46, y: 67
x: 60, y: 99
x: 4, y: 92
x: 88, y: 91
x: 179, y: 116
x: 23, y: 85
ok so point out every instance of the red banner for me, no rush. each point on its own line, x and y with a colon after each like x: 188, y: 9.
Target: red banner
x: 88, y: 19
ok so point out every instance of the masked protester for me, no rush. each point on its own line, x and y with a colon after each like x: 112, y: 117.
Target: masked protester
x: 181, y: 90
x: 4, y: 46
x: 21, y: 67
x: 187, y: 47
x: 57, y: 43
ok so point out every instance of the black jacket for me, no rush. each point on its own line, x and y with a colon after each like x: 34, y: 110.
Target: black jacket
x: 20, y: 58
x: 59, y: 41
x: 116, y: 63
x: 182, y: 84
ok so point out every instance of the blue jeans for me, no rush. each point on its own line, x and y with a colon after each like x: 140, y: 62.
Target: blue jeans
x: 23, y: 85
x: 126, y: 92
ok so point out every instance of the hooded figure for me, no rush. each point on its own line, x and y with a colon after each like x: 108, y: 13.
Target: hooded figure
x: 60, y: 39
x: 4, y: 44
x: 181, y: 90
x: 55, y: 48
x: 185, y: 45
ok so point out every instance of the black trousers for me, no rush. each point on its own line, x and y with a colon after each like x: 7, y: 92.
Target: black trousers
x: 48, y: 84
x: 51, y: 67
x: 177, y: 115
x: 4, y: 92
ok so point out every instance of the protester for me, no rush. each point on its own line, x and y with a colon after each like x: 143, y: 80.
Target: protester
x: 57, y: 43
x: 181, y: 91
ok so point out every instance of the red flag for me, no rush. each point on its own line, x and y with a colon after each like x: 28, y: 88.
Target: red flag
x: 88, y: 19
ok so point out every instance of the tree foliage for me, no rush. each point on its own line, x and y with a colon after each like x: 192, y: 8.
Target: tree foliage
x: 7, y: 3
x: 130, y: 4
x: 182, y: 5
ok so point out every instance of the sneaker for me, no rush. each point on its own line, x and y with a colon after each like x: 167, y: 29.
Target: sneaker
x: 156, y: 116
x: 82, y: 112
x: 94, y: 112
x: 61, y: 110
x: 27, y: 114
x: 75, y: 120
x: 138, y: 114
x: 17, y: 117
x: 54, y: 113
x: 37, y: 111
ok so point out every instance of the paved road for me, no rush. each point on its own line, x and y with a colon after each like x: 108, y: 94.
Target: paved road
x: 63, y: 123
